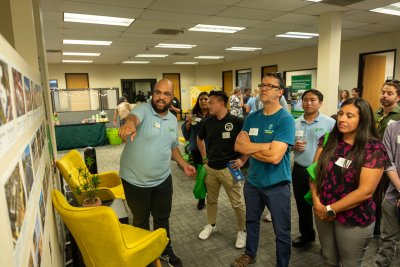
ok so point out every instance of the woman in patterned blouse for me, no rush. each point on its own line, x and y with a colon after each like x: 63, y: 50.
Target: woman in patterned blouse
x: 349, y: 169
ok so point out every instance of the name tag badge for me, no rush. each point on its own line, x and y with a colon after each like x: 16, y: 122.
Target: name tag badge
x: 390, y: 122
x: 197, y: 119
x: 342, y: 162
x: 398, y: 139
x: 253, y: 131
x: 299, y: 133
x: 226, y: 135
x: 156, y: 125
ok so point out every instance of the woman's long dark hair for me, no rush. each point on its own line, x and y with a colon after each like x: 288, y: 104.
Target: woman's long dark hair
x: 197, y: 110
x: 365, y: 132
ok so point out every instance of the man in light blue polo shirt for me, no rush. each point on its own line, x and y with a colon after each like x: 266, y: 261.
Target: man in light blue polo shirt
x: 151, y: 133
x: 309, y: 128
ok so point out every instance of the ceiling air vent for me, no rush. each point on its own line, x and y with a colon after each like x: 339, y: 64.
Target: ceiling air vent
x: 341, y: 2
x: 179, y: 54
x: 167, y: 31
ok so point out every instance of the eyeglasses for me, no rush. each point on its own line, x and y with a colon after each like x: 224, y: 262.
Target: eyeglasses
x: 268, y: 86
x: 159, y: 93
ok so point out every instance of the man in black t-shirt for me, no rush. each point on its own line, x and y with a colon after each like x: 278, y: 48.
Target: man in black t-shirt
x: 175, y: 107
x: 219, y: 132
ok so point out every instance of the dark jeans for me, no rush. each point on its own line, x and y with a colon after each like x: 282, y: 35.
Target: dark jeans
x: 277, y: 200
x: 301, y: 186
x: 156, y: 201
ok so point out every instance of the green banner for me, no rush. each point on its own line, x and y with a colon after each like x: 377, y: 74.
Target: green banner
x: 300, y: 84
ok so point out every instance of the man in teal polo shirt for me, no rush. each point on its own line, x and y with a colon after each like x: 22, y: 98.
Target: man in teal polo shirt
x: 151, y: 133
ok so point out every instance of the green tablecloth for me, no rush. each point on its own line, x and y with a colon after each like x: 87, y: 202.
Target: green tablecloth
x: 71, y: 136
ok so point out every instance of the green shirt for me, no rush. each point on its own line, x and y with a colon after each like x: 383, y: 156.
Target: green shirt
x: 383, y: 121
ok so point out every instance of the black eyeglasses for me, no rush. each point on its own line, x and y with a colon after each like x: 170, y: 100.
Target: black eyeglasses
x: 268, y: 86
x: 275, y: 74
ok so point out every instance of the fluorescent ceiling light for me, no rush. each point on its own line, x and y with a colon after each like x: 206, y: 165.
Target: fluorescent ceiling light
x: 216, y: 28
x: 316, y: 1
x: 150, y: 55
x: 93, y: 19
x: 209, y: 57
x: 393, y: 9
x: 238, y: 48
x: 135, y: 62
x: 77, y: 61
x: 86, y: 42
x: 185, y: 63
x: 81, y: 54
x: 299, y: 35
x: 185, y: 46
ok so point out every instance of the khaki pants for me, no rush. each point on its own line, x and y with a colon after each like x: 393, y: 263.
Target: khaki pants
x: 213, y: 181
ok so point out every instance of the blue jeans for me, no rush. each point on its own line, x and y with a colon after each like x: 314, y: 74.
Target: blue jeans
x: 277, y: 200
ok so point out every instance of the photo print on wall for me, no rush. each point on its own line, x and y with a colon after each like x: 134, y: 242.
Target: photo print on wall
x: 5, y: 95
x: 18, y: 92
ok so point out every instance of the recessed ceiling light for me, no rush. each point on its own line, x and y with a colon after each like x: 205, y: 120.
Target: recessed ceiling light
x: 238, y: 48
x: 77, y: 61
x: 393, y: 9
x: 215, y: 28
x: 150, y: 55
x: 86, y: 42
x: 209, y: 57
x: 185, y: 46
x: 299, y: 35
x: 81, y: 54
x: 185, y: 63
x: 93, y: 19
x: 135, y: 62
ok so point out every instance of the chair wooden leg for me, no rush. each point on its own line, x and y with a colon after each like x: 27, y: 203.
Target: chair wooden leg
x: 157, y: 263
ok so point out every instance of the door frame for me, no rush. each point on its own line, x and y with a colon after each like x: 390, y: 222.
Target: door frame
x: 66, y: 80
x: 223, y: 79
x: 268, y: 66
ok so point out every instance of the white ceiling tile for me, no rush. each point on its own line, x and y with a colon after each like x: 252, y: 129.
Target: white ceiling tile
x: 286, y: 5
x: 346, y: 24
x: 182, y: 6
x: 297, y: 18
x: 249, y: 13
x: 320, y: 8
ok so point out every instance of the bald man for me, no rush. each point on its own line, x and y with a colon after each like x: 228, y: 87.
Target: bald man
x: 151, y: 133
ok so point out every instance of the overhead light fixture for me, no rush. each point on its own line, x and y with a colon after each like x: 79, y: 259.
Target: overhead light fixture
x: 93, y: 19
x: 185, y: 63
x: 81, y: 54
x: 238, y: 48
x: 209, y: 57
x: 76, y: 61
x: 393, y: 9
x: 86, y: 42
x: 299, y: 35
x: 135, y: 62
x: 215, y: 28
x: 316, y: 1
x: 151, y: 55
x: 184, y: 46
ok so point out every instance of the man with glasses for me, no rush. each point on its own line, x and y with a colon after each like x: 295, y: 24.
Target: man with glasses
x: 151, y: 134
x: 388, y: 113
x: 265, y: 138
x: 310, y: 126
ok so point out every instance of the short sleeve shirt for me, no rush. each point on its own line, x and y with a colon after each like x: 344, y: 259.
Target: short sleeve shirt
x: 266, y: 129
x: 236, y: 110
x: 338, y: 183
x: 146, y: 161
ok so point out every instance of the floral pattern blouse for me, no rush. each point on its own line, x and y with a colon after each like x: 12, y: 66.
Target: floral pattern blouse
x: 337, y: 183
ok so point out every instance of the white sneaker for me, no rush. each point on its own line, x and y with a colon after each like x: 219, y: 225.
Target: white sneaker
x: 267, y: 217
x: 208, y: 230
x: 241, y: 239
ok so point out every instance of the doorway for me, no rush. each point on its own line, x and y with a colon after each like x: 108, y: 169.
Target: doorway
x: 227, y: 81
x: 137, y: 90
x: 267, y: 69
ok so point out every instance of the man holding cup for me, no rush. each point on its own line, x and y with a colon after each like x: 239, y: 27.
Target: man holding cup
x: 309, y: 128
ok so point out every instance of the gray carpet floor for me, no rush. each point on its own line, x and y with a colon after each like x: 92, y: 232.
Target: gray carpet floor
x: 186, y: 222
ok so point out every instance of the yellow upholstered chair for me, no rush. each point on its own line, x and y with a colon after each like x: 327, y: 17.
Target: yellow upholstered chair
x: 104, y: 241
x: 110, y: 184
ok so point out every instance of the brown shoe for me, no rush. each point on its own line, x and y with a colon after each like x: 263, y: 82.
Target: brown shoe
x: 243, y: 261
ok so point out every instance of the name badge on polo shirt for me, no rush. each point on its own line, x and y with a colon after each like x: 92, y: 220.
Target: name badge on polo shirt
x: 226, y: 135
x: 390, y: 122
x: 398, y: 139
x: 342, y: 162
x: 156, y: 125
x: 253, y: 131
x: 299, y: 133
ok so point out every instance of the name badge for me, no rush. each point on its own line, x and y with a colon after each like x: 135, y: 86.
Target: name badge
x: 390, y: 122
x: 226, y: 135
x: 342, y: 162
x: 398, y: 139
x: 299, y: 133
x: 253, y: 131
x: 156, y: 125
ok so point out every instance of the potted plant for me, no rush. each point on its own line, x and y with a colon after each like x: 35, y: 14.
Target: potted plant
x: 87, y: 184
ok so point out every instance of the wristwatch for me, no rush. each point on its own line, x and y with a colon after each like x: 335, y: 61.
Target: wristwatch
x: 330, y: 212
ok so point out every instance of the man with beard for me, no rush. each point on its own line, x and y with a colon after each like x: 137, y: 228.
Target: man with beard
x: 152, y: 138
x: 388, y: 113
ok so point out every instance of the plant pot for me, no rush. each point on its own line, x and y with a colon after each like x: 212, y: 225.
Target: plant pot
x: 96, y: 203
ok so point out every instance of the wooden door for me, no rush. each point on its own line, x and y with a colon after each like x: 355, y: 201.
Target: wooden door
x: 227, y: 81
x: 266, y: 69
x: 374, y: 76
x: 175, y: 78
x: 77, y: 81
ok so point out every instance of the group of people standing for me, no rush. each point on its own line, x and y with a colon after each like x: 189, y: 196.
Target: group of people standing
x: 349, y: 162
